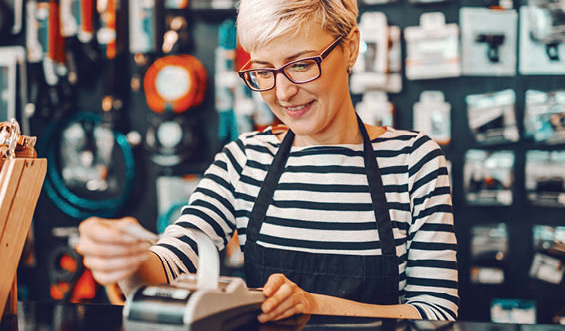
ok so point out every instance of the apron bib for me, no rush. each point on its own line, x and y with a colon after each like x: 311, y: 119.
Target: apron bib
x: 368, y: 279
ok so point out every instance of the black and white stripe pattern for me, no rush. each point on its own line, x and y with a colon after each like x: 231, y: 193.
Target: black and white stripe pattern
x: 322, y: 205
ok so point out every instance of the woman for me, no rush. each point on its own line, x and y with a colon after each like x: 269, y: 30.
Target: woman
x: 334, y: 216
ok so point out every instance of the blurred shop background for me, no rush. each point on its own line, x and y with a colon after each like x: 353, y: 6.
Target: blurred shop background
x: 130, y: 100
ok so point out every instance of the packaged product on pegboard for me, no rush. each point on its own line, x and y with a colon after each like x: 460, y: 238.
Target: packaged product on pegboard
x: 432, y: 115
x: 544, y: 118
x: 549, y: 246
x: 489, y: 177
x: 492, y: 117
x: 545, y: 178
x: 432, y: 49
x: 517, y: 311
x: 375, y: 109
x: 379, y: 63
x: 489, y: 39
x: 489, y: 253
x: 542, y: 41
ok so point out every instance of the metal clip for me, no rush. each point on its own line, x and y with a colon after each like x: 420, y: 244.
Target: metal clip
x: 9, y: 136
x: 11, y: 139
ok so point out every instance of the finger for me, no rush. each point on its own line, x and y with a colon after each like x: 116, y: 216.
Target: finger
x: 285, y: 309
x: 110, y: 265
x: 88, y: 247
x: 284, y: 305
x: 273, y: 283
x: 278, y: 315
x: 107, y: 278
x: 283, y: 292
x: 292, y: 303
x: 287, y: 313
x: 105, y: 230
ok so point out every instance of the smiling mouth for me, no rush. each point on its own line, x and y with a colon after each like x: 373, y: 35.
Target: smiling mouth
x: 298, y: 108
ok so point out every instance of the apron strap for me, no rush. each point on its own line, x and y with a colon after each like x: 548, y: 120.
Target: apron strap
x: 377, y: 191
x: 267, y: 190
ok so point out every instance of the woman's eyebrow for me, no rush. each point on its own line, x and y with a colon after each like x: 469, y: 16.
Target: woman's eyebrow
x: 287, y: 59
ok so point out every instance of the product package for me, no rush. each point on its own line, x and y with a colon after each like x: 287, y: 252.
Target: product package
x: 176, y: 4
x: 8, y: 82
x: 432, y: 116
x: 548, y: 264
x: 210, y: 4
x: 376, y: 2
x: 424, y: 2
x: 542, y: 51
x: 545, y: 178
x: 379, y: 63
x: 488, y: 41
x: 514, y: 311
x: 547, y: 20
x: 492, y: 117
x: 375, y: 109
x: 489, y: 177
x: 544, y: 118
x: 432, y: 49
x: 13, y: 86
x: 489, y: 250
x: 142, y: 21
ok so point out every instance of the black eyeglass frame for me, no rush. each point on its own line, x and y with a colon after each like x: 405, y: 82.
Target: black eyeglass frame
x: 318, y: 59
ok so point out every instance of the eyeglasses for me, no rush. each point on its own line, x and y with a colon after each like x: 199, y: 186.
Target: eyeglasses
x: 299, y: 71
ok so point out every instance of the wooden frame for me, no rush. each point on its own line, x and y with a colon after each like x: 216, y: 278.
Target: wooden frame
x: 21, y: 180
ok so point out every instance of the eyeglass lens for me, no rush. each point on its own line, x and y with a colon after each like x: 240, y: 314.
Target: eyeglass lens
x: 298, y: 72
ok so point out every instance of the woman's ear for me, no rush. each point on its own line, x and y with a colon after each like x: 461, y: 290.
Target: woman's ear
x: 352, y: 46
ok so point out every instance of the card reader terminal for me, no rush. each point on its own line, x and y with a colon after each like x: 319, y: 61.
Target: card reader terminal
x: 190, y: 303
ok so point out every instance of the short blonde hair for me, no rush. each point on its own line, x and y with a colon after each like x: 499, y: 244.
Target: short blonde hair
x: 261, y: 21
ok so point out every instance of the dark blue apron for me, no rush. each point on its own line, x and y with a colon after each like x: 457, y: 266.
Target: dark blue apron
x: 368, y: 279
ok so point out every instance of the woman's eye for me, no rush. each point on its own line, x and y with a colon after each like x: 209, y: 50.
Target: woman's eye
x: 264, y: 74
x: 300, y: 66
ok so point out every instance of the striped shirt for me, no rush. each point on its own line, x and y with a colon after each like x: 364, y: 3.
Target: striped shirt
x: 322, y: 205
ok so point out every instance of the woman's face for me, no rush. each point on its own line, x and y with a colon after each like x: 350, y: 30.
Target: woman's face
x: 317, y: 111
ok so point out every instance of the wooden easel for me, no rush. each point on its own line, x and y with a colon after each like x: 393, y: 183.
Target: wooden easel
x: 21, y: 178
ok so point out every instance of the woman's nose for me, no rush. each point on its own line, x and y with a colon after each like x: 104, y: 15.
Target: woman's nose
x: 285, y: 89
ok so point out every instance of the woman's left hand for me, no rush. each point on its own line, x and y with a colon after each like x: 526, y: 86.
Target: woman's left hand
x: 284, y: 299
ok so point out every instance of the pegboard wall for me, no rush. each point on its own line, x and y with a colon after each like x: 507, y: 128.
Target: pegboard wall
x: 202, y: 40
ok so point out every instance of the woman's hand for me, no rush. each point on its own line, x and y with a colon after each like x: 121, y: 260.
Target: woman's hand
x: 109, y: 252
x: 284, y: 299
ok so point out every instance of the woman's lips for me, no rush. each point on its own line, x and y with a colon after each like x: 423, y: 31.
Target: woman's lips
x: 298, y: 111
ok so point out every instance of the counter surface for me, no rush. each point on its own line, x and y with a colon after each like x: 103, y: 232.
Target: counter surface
x: 61, y: 317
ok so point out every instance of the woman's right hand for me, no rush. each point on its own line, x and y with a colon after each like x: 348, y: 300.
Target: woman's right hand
x: 110, y: 252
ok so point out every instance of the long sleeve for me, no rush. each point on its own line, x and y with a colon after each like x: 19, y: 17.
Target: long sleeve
x: 210, y: 209
x: 431, y: 272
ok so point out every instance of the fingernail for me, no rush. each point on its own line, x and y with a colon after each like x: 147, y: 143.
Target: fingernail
x: 262, y: 318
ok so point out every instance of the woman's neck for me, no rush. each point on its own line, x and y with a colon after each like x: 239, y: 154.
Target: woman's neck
x: 342, y: 130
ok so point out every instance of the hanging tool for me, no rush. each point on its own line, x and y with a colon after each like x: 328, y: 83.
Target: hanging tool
x: 107, y: 34
x: 225, y: 81
x: 94, y: 199
x: 46, y: 53
x: 142, y: 37
x: 175, y: 83
x: 171, y: 139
